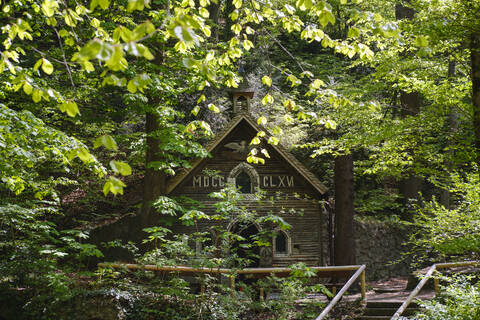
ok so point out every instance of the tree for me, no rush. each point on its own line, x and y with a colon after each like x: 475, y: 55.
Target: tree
x: 344, y: 228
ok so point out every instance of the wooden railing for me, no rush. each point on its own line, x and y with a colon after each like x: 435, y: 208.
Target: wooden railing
x: 263, y: 272
x: 431, y: 272
x: 359, y: 273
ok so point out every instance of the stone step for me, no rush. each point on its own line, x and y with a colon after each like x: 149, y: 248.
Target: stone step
x: 388, y: 311
x: 374, y: 318
x: 389, y: 304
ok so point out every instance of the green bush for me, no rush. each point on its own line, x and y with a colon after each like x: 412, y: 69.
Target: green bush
x: 459, y: 300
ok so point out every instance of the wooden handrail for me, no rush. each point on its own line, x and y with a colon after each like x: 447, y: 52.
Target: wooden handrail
x: 427, y: 276
x: 184, y: 269
x: 360, y: 271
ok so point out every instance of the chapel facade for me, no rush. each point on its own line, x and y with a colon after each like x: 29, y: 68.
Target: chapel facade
x: 307, y: 240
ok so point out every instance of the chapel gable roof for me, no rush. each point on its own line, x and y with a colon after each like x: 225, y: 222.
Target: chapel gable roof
x: 297, y: 165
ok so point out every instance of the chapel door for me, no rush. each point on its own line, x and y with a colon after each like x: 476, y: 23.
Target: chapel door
x: 246, y: 248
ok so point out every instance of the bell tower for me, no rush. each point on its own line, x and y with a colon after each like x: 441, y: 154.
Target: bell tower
x: 242, y: 95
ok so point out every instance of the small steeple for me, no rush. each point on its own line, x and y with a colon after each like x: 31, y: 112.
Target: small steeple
x: 242, y: 95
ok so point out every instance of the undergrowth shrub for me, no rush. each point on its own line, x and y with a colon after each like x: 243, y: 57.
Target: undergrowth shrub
x: 459, y: 300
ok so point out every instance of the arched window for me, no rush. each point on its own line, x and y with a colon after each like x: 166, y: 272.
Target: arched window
x: 246, y: 178
x: 243, y: 182
x: 281, y: 244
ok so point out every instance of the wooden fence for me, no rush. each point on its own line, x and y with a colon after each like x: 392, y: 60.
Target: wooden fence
x: 261, y: 272
x: 430, y: 273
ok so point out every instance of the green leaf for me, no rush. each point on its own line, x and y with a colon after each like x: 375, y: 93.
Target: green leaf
x: 325, y: 17
x: 294, y: 80
x: 93, y: 4
x: 185, y: 33
x: 304, y: 4
x: 84, y: 155
x: 88, y: 66
x: 49, y: 7
x: 204, y: 12
x: 114, y: 186
x: 107, y: 141
x: 247, y: 44
x: 71, y: 108
x: 330, y: 124
x: 131, y: 86
x: 265, y: 153
x: 27, y: 88
x: 273, y: 141
x: 37, y: 95
x: 47, y: 66
x: 267, y: 99
x: 237, y: 3
x: 316, y: 84
x: 201, y: 99
x: 121, y: 167
x: 236, y: 28
x: 262, y: 120
x: 137, y: 5
x: 353, y: 32
x: 255, y: 140
x: 266, y: 80
x: 189, y: 62
x: 104, y: 4
x: 95, y: 23
x: 213, y: 108
x: 421, y: 42
x: 195, y: 110
x: 37, y: 64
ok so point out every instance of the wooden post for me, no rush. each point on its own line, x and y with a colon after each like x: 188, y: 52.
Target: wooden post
x: 261, y: 295
x: 232, y: 285
x: 436, y: 283
x: 363, y: 286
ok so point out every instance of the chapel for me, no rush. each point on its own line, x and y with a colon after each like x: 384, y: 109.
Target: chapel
x: 282, y: 174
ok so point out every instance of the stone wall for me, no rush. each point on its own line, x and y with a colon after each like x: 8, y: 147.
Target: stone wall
x: 378, y: 244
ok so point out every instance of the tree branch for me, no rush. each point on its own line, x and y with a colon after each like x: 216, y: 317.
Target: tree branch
x: 64, y: 58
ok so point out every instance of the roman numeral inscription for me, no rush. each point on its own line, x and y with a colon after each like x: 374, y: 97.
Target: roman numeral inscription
x: 277, y: 182
x: 205, y: 181
x: 268, y: 181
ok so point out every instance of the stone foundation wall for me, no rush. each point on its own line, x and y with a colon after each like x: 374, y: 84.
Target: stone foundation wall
x: 378, y: 245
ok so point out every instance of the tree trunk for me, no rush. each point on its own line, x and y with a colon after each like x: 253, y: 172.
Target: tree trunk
x: 411, y: 185
x: 344, y: 232
x: 410, y: 103
x: 154, y: 180
x: 403, y: 12
x: 475, y: 60
x: 229, y: 7
x: 214, y: 10
x: 452, y: 127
